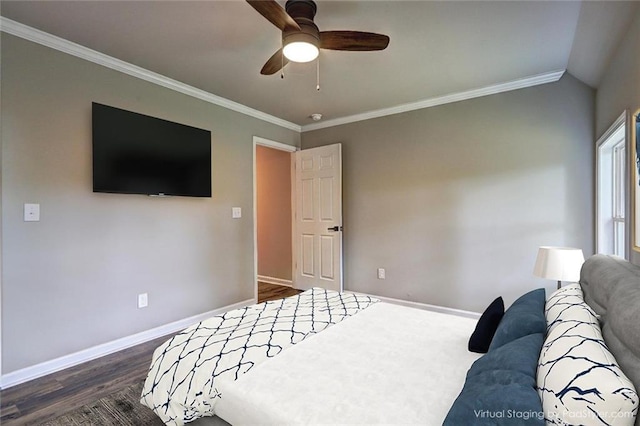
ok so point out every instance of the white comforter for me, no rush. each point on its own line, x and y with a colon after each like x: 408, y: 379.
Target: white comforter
x: 188, y: 370
x: 388, y: 364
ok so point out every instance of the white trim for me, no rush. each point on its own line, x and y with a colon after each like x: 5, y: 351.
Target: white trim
x: 276, y: 281
x: 37, y: 36
x: 273, y: 144
x: 28, y: 33
x: 294, y: 240
x: 48, y: 367
x: 1, y: 254
x: 521, y: 83
x: 423, y: 306
x: 613, y: 128
x: 620, y: 121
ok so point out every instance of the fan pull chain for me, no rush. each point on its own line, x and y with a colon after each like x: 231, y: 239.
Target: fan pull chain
x: 282, y: 58
x: 318, y: 74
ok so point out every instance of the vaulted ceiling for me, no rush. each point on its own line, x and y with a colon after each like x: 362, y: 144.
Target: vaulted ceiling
x: 437, y: 48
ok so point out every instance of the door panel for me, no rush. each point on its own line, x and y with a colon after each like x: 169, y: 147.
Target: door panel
x: 326, y: 257
x: 307, y: 255
x: 307, y: 210
x: 326, y: 199
x: 318, y: 178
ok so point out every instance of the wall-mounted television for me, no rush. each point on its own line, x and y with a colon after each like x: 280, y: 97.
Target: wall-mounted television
x: 138, y: 154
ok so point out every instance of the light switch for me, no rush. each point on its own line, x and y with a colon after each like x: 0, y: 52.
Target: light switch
x: 32, y: 212
x: 236, y: 212
x: 143, y: 300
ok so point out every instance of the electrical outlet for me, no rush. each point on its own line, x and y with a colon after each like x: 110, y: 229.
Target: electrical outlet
x: 236, y: 212
x: 382, y: 274
x: 32, y: 212
x: 143, y: 300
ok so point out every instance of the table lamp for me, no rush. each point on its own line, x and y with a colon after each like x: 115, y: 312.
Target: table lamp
x: 559, y: 263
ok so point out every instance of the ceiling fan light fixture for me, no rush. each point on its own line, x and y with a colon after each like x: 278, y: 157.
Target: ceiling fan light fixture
x: 301, y: 37
x: 301, y: 51
x: 300, y: 47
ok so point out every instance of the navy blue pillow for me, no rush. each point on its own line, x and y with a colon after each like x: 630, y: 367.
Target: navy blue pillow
x: 520, y: 355
x: 497, y: 397
x: 486, y: 327
x: 525, y: 316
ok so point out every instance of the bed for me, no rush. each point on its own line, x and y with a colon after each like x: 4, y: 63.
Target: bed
x: 327, y: 357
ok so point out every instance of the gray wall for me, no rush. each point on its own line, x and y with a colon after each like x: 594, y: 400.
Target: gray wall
x: 620, y: 87
x: 620, y: 91
x: 70, y: 281
x: 455, y: 200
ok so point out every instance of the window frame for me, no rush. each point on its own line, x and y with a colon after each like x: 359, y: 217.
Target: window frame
x: 606, y: 205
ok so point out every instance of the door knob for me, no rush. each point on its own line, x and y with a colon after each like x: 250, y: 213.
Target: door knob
x: 335, y: 228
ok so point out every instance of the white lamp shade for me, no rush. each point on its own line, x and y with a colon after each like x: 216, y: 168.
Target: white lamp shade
x: 559, y: 263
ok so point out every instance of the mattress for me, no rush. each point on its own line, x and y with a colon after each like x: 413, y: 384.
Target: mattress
x: 387, y: 364
x: 187, y: 370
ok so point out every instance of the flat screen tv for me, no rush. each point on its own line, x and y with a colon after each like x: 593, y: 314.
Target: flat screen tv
x: 137, y: 154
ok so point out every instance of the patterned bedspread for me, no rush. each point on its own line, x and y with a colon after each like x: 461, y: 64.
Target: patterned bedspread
x: 181, y: 385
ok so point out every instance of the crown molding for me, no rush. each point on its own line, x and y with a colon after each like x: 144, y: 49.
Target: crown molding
x: 521, y: 83
x: 37, y: 36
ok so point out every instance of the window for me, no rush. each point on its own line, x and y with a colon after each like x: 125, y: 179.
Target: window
x: 619, y: 178
x: 611, y: 191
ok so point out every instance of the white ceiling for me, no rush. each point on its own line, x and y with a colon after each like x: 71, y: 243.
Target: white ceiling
x: 437, y: 48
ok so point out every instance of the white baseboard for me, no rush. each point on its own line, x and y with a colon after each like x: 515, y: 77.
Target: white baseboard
x: 276, y: 281
x: 29, y: 373
x: 424, y: 306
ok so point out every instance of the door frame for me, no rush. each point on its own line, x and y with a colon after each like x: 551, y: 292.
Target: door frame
x: 258, y: 141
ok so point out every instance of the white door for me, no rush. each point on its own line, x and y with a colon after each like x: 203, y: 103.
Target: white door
x: 318, y: 218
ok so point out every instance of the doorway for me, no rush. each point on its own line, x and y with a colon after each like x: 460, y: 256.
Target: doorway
x: 273, y: 251
x: 298, y: 225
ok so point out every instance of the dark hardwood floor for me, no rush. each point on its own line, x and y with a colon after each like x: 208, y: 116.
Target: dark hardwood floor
x: 44, y: 399
x: 273, y: 292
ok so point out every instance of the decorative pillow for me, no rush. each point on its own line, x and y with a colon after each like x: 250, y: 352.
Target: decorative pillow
x: 525, y: 316
x: 570, y: 316
x: 520, y: 355
x: 579, y: 380
x: 568, y: 291
x: 486, y: 327
x: 497, y: 397
x: 559, y: 304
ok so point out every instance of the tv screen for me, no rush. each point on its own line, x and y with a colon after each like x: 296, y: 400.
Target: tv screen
x: 137, y: 154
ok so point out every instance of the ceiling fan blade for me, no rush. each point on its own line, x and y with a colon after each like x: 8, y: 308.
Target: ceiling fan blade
x: 274, y: 64
x: 275, y: 14
x: 353, y: 40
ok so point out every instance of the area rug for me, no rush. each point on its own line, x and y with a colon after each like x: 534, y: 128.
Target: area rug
x: 120, y: 408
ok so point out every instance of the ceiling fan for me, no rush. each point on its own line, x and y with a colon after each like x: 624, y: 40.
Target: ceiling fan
x: 301, y: 38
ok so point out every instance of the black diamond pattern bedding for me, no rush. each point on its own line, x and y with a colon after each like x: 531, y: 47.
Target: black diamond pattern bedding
x: 181, y: 384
